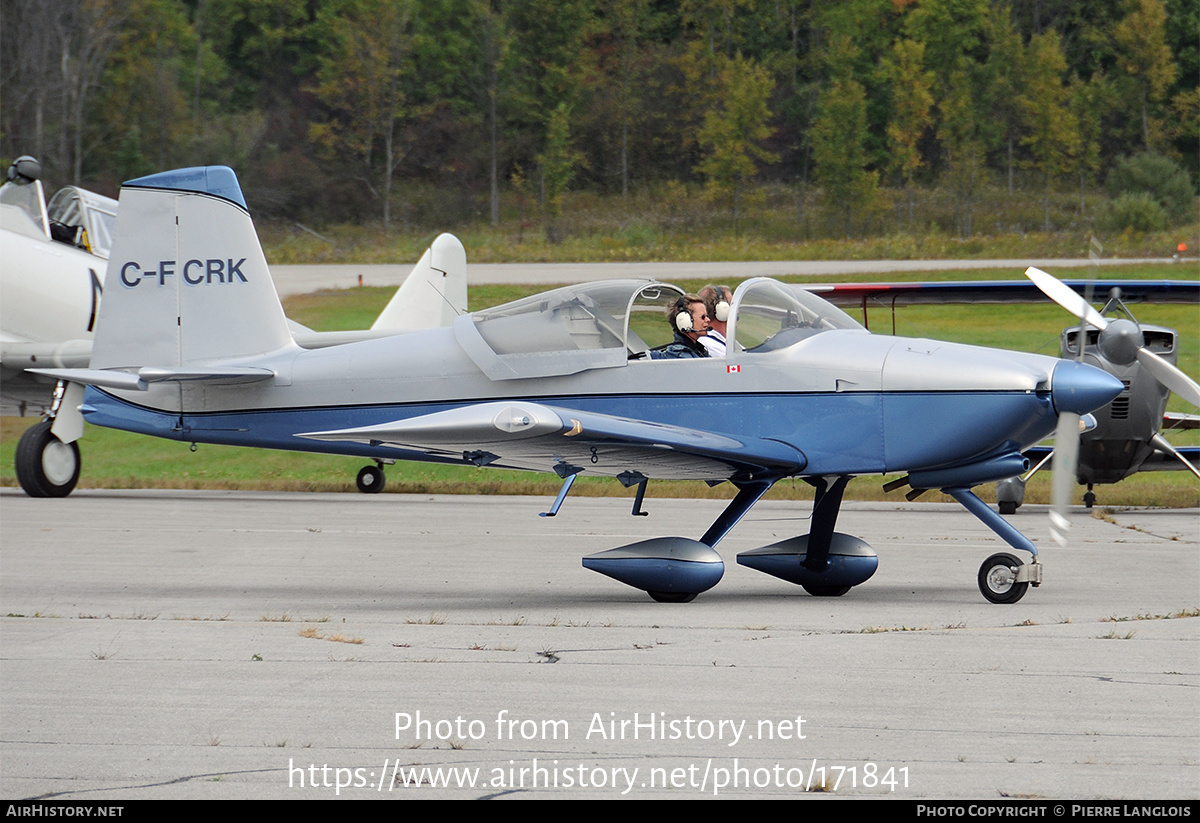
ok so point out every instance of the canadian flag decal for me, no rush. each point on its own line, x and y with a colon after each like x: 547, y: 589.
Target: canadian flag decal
x: 733, y: 369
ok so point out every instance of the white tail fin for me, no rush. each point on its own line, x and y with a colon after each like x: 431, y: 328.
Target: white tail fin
x: 187, y: 282
x: 434, y: 293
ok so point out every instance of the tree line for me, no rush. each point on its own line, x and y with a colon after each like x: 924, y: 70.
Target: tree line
x: 336, y: 110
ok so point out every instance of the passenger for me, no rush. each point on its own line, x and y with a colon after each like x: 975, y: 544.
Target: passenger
x: 716, y: 304
x: 689, y: 321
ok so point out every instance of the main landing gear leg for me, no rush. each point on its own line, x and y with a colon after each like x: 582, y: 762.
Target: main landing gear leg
x: 748, y: 494
x: 824, y: 562
x: 1002, y: 577
x: 826, y: 506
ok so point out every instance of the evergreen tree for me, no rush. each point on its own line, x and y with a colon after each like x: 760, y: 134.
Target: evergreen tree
x: 1051, y: 126
x: 959, y: 134
x: 1003, y: 78
x: 558, y: 162
x: 732, y: 134
x: 1145, y: 61
x: 839, y: 139
x: 360, y: 81
x: 911, y: 105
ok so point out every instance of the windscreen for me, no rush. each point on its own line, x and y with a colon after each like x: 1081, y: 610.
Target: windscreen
x: 768, y: 315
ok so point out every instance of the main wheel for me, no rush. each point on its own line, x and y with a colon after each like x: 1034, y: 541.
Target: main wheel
x: 998, y: 579
x: 825, y: 591
x: 46, y: 466
x: 1008, y: 507
x: 370, y: 480
x: 673, y: 597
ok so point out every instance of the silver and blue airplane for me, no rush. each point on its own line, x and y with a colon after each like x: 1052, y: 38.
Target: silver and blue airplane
x: 191, y: 344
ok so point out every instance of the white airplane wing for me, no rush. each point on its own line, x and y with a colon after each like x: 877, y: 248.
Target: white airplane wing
x: 539, y: 437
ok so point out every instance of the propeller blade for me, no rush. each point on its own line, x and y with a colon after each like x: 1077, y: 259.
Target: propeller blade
x: 1066, y: 297
x: 1038, y: 467
x: 1162, y: 445
x: 1066, y: 455
x: 1170, y: 376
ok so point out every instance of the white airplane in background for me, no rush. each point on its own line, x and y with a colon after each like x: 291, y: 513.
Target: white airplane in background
x: 53, y: 266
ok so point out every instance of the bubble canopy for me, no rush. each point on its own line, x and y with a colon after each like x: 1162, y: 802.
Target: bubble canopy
x: 606, y: 324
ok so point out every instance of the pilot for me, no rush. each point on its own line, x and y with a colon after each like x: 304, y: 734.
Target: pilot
x: 689, y: 321
x: 716, y: 304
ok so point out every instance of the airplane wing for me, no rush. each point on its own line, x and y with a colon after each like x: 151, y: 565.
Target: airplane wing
x: 539, y: 437
x: 1160, y: 461
x: 66, y: 354
x: 23, y: 392
x: 998, y: 291
x: 1179, y: 420
x: 1157, y: 461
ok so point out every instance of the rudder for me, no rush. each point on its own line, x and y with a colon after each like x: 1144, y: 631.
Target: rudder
x: 187, y: 281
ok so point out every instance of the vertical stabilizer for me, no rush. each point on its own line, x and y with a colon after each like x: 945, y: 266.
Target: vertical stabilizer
x: 187, y: 281
x: 434, y: 293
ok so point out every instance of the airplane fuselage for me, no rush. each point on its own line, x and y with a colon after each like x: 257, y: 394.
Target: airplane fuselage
x: 849, y: 401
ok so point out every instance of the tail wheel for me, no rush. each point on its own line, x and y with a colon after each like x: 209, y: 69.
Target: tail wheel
x: 46, y: 466
x: 371, y: 480
x: 998, y: 579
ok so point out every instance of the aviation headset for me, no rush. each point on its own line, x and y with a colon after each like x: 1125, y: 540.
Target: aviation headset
x: 683, y: 313
x: 721, y: 309
x: 720, y: 306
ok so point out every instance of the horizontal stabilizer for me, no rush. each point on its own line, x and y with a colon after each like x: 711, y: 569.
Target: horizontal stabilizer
x: 100, y: 378
x: 141, y: 379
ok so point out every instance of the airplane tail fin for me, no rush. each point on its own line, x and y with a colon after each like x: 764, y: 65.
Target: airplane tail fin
x: 434, y: 293
x: 187, y: 281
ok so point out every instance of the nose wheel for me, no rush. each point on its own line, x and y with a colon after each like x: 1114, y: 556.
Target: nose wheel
x: 371, y: 479
x: 999, y: 579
